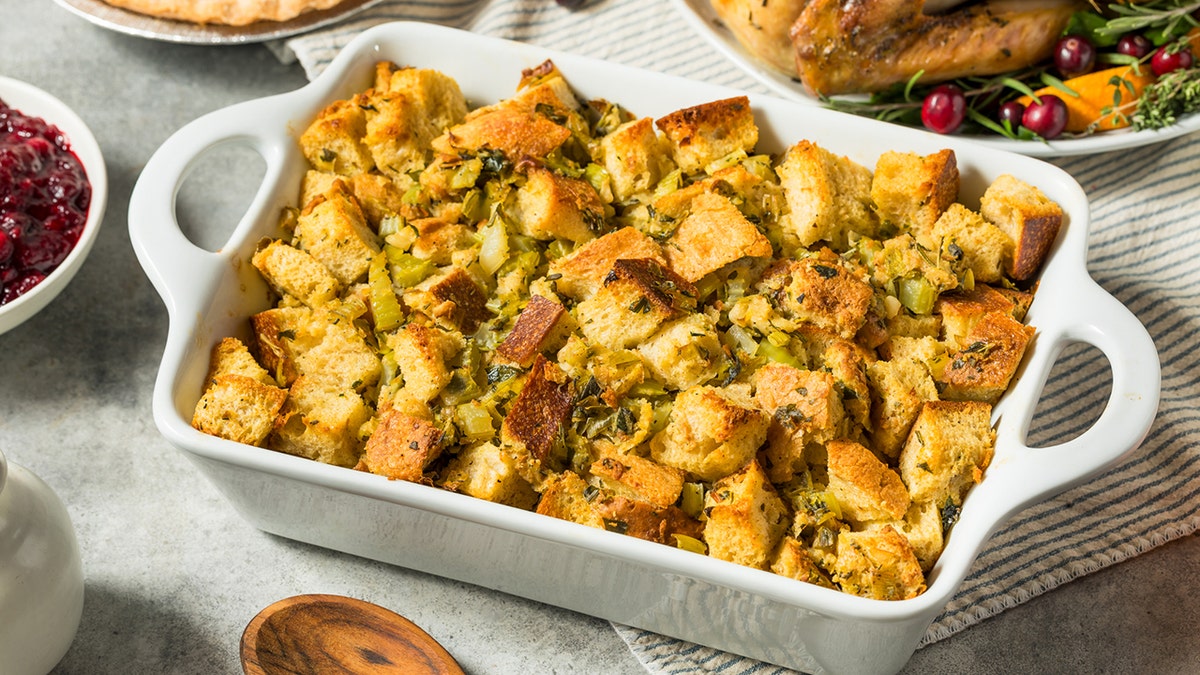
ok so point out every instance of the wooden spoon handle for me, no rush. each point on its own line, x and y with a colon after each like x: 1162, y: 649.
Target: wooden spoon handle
x: 336, y: 634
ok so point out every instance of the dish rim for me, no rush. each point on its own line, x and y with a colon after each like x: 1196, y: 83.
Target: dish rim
x: 381, y: 42
x: 699, y: 15
x: 32, y: 100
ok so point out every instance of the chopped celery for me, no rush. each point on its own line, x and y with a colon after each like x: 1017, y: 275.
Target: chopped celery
x: 648, y: 388
x: 729, y: 160
x: 466, y: 174
x: 917, y: 294
x: 402, y: 238
x: 598, y: 177
x: 474, y: 205
x: 691, y: 499
x: 669, y: 183
x: 409, y: 270
x: 384, y: 306
x: 742, y: 339
x: 558, y: 248
x: 493, y: 246
x: 690, y: 544
x: 778, y: 354
x: 474, y: 421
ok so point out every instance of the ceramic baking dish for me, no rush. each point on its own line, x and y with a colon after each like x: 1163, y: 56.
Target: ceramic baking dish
x: 209, y: 295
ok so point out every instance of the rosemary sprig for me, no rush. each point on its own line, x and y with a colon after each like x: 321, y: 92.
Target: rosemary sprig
x: 1170, y: 17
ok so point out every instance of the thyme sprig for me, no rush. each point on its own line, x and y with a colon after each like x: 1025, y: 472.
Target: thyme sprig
x: 1170, y: 17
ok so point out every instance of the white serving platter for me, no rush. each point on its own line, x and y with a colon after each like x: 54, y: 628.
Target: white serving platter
x: 210, y: 294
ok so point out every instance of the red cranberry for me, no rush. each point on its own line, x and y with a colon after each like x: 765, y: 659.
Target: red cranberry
x: 1046, y: 119
x: 1133, y: 45
x: 944, y: 109
x: 1074, y: 55
x: 1165, y: 61
x: 22, y: 285
x: 1011, y: 112
x: 6, y: 247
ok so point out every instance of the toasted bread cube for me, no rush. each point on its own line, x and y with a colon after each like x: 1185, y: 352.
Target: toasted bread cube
x: 639, y: 478
x: 637, y: 297
x: 282, y: 334
x: 342, y: 359
x: 379, y: 197
x: 406, y: 113
x: 985, y: 248
x: 238, y: 408
x: 792, y: 560
x: 847, y: 362
x: 647, y: 521
x: 878, y: 564
x: 961, y: 310
x: 865, y: 487
x: 635, y: 158
x: 231, y: 356
x: 437, y: 240
x: 543, y: 325
x: 684, y: 352
x: 900, y: 386
x: 333, y: 229
x: 293, y: 272
x: 990, y: 355
x: 950, y: 445
x: 565, y: 496
x: 455, y: 300
x: 322, y: 423
x: 819, y: 290
x: 550, y: 206
x: 713, y: 234
x: 485, y: 471
x: 1028, y: 217
x: 707, y: 132
x: 334, y: 141
x: 911, y: 191
x: 583, y: 270
x: 515, y: 133
x: 746, y: 518
x: 421, y: 352
x: 805, y: 407
x: 401, y: 447
x: 708, y: 435
x: 316, y: 183
x: 827, y: 196
x: 539, y: 412
x: 922, y: 527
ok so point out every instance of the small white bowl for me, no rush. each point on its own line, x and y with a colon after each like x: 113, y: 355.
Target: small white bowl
x: 32, y: 101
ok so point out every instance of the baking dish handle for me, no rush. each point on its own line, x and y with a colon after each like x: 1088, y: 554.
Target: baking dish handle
x: 1096, y: 318
x: 178, y: 268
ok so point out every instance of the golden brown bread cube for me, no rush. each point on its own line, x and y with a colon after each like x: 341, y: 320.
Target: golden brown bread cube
x: 900, y: 387
x: 1027, y: 216
x: 321, y: 422
x: 702, y: 134
x: 708, y: 434
x: 911, y: 190
x: 438, y: 240
x: 294, y: 341
x: 333, y: 230
x: 922, y: 527
x: 539, y: 412
x: 401, y: 446
x: 746, y: 518
x: 408, y: 109
x: 334, y: 141
x: 515, y: 133
x: 421, y: 352
x: 950, y: 445
x: 566, y: 496
x: 828, y: 197
x: 549, y: 206
x: 865, y: 487
x: 293, y: 272
x: 647, y: 521
x: 805, y: 407
x: 961, y: 310
x: 877, y: 564
x: 637, y: 297
x: 238, y: 408
x: 792, y: 560
x: 988, y: 359
x: 542, y: 326
x: 684, y: 352
x: 984, y: 248
x: 453, y: 299
x: 819, y: 290
x: 231, y: 356
x: 635, y: 158
x: 712, y: 235
x: 639, y: 478
x: 486, y: 471
x: 582, y: 271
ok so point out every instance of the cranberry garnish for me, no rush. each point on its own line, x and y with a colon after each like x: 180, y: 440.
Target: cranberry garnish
x: 944, y: 109
x: 1011, y: 112
x: 1046, y: 119
x: 22, y: 285
x: 1074, y: 55
x: 1134, y: 45
x: 6, y: 247
x: 1165, y: 61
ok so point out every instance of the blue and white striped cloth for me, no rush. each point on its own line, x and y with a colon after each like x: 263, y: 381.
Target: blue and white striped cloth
x: 1144, y: 241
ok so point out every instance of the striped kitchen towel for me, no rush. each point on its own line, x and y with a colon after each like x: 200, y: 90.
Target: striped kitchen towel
x: 1145, y: 237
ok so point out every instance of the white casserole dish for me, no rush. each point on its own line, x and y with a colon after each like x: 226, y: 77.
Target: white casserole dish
x: 210, y: 295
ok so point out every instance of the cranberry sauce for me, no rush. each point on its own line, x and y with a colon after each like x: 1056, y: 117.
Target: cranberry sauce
x: 44, y: 199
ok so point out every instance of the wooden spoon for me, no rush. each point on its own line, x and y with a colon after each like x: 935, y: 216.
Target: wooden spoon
x: 336, y: 634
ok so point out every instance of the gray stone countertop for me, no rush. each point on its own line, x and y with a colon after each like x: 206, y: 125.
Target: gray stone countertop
x: 173, y: 574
